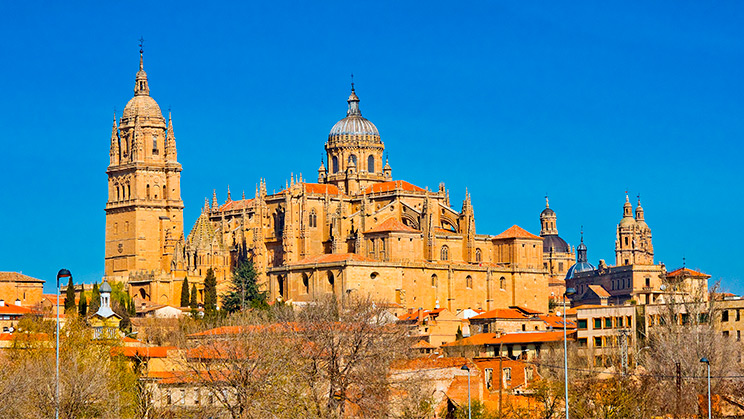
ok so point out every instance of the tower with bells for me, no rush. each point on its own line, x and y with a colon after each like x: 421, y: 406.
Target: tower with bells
x: 633, y: 245
x: 354, y: 152
x: 144, y: 211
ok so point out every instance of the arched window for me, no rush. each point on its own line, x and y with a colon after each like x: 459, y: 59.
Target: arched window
x: 372, y: 247
x: 434, y: 280
x: 282, y: 286
x: 382, y: 248
x: 331, y: 281
x: 334, y: 164
x: 155, y: 143
x: 129, y: 192
x: 306, y: 283
x: 147, y: 192
x: 313, y: 219
x: 502, y: 283
x: 353, y: 159
x: 469, y: 281
x: 478, y: 256
x: 371, y: 164
x: 444, y: 253
x: 156, y: 190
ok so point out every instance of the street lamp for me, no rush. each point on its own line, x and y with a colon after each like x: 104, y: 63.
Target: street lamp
x: 63, y: 273
x: 707, y: 363
x: 465, y: 368
x: 569, y: 292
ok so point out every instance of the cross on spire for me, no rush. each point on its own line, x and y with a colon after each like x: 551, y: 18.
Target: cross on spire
x: 141, y: 44
x: 352, y: 82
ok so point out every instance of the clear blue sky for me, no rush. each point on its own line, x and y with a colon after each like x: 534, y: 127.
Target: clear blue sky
x: 580, y: 100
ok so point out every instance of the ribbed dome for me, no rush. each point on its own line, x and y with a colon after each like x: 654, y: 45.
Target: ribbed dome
x: 547, y: 212
x: 579, y: 267
x: 144, y: 107
x: 554, y: 243
x: 627, y: 222
x: 354, y: 124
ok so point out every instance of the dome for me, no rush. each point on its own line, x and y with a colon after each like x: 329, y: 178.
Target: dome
x: 354, y: 124
x: 627, y: 222
x: 555, y: 243
x: 105, y: 287
x: 144, y: 107
x: 547, y: 212
x: 579, y: 267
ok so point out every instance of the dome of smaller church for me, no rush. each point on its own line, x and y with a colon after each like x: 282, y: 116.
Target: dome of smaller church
x: 579, y: 267
x: 354, y: 125
x: 554, y: 243
x: 547, y: 212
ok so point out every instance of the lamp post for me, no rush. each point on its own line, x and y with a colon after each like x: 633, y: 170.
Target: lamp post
x: 569, y: 292
x: 63, y: 273
x: 707, y: 363
x: 465, y: 368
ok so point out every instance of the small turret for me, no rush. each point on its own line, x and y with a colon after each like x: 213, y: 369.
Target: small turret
x: 215, y: 204
x: 114, y: 151
x: 170, y: 142
x: 387, y: 171
x: 322, y: 172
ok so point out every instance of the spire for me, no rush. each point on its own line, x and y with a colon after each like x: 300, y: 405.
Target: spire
x: 140, y: 84
x: 206, y: 205
x: 170, y: 141
x: 353, y: 101
x: 628, y: 207
x: 228, y: 194
x: 581, y: 249
x: 243, y: 195
x: 639, y: 210
x: 214, y: 199
x: 114, y: 151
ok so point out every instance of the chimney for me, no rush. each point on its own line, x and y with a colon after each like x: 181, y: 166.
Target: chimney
x: 18, y: 302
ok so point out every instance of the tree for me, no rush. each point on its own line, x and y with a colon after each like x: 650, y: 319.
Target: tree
x: 95, y: 300
x: 70, y: 297
x: 193, y: 304
x: 210, y: 291
x: 83, y: 308
x: 185, y: 293
x: 244, y: 290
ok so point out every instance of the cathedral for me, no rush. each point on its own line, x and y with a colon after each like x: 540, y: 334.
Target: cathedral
x: 353, y: 230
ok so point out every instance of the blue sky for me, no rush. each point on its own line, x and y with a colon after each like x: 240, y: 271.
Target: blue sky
x: 513, y: 100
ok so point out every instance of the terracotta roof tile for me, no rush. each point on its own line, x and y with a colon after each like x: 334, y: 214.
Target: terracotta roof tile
x: 143, y: 351
x: 17, y: 277
x: 236, y: 205
x: 14, y: 309
x: 508, y: 338
x: 422, y: 344
x: 517, y: 232
x: 321, y: 188
x: 686, y: 272
x: 391, y: 224
x: 557, y: 322
x: 599, y: 290
x: 393, y: 185
x: 501, y: 313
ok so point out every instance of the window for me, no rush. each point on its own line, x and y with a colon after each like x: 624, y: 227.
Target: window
x: 183, y: 396
x: 313, y: 219
x: 608, y: 323
x: 334, y: 164
x: 507, y: 376
x: 502, y: 283
x: 724, y: 316
x: 155, y: 144
x: 382, y: 248
x: 627, y: 261
x: 648, y: 282
x: 738, y: 335
x: 582, y: 324
x: 597, y: 323
x: 582, y: 342
x: 597, y: 341
x: 738, y: 314
x: 147, y: 193
x: 372, y: 247
x: 434, y: 281
x: 331, y: 281
x: 478, y: 256
x: 488, y: 375
x: 168, y: 398
x: 626, y: 243
x: 371, y: 164
x: 619, y: 321
x: 725, y: 333
x: 306, y: 283
x: 560, y: 266
x: 469, y: 281
x: 353, y: 159
x: 444, y: 253
x: 528, y: 374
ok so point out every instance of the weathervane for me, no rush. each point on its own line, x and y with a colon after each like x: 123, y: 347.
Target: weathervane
x: 141, y: 43
x: 352, y: 82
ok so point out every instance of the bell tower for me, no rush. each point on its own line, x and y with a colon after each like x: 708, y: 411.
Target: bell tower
x: 144, y: 211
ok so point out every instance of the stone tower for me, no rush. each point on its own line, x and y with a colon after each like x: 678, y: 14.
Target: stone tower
x: 633, y: 245
x: 354, y: 150
x: 144, y: 211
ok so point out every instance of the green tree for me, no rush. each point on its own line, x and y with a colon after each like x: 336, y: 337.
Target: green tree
x: 95, y: 300
x: 70, y: 297
x: 210, y: 291
x: 193, y: 304
x: 83, y: 307
x: 244, y: 291
x: 185, y: 293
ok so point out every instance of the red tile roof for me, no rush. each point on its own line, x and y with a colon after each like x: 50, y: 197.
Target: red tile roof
x: 393, y: 185
x: 333, y: 257
x: 557, y: 322
x: 322, y: 188
x: 236, y: 205
x: 508, y: 338
x: 24, y: 335
x: 391, y: 224
x: 14, y: 309
x: 599, y: 290
x: 17, y: 277
x: 686, y: 272
x: 517, y: 232
x: 501, y: 313
x: 143, y: 351
x: 422, y: 344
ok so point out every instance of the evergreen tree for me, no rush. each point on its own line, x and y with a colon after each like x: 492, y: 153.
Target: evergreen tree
x: 132, y: 307
x: 244, y: 291
x: 193, y: 304
x: 95, y: 300
x: 185, y: 293
x: 83, y: 307
x: 210, y: 291
x: 70, y: 297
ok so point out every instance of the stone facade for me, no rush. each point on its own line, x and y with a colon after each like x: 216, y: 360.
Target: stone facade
x: 355, y: 230
x: 17, y: 288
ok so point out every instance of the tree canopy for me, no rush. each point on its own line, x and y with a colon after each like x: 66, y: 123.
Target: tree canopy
x: 244, y: 290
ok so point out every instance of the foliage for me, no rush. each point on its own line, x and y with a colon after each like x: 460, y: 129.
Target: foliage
x: 477, y: 409
x: 185, y: 293
x: 83, y: 307
x: 210, y: 291
x: 70, y: 297
x: 95, y: 300
x: 193, y: 304
x: 459, y: 334
x: 244, y: 290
